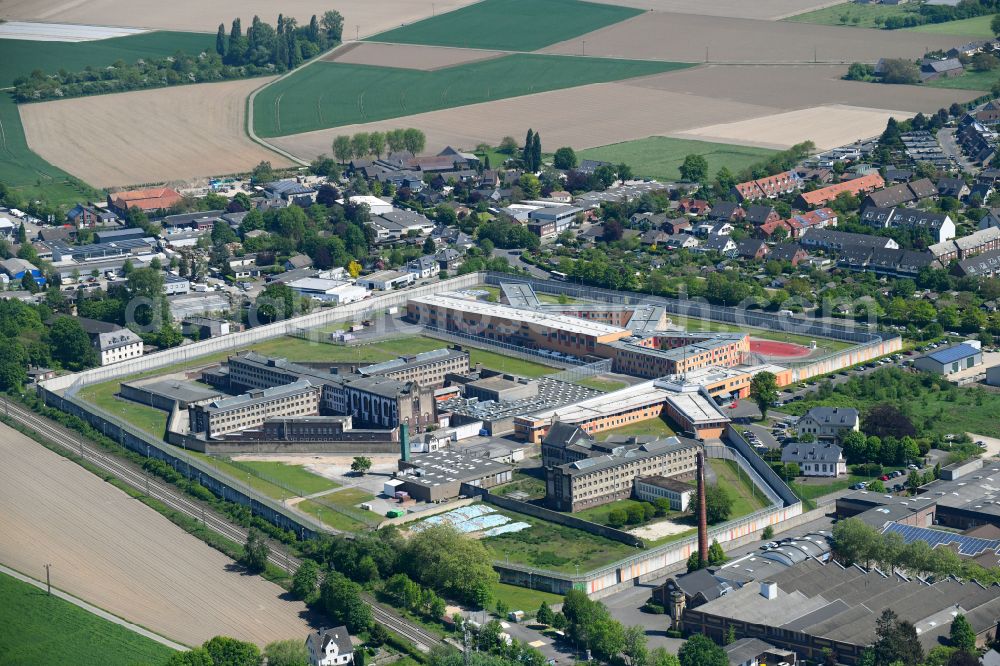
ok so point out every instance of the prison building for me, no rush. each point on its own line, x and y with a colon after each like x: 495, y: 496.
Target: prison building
x: 661, y: 355
x: 427, y: 368
x: 251, y: 410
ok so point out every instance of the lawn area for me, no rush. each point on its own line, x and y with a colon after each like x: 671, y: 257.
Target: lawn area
x: 524, y: 483
x: 599, y: 514
x: 658, y: 427
x: 553, y: 299
x: 550, y: 546
x: 978, y: 26
x: 969, y: 81
x: 509, y: 25
x: 606, y: 385
x: 27, y: 173
x: 521, y: 598
x: 292, y: 476
x: 21, y: 57
x: 149, y: 419
x: 690, y: 324
x: 869, y: 16
x: 247, y: 476
x: 37, y: 626
x: 746, y: 498
x: 335, y: 519
x: 332, y: 94
x: 660, y: 157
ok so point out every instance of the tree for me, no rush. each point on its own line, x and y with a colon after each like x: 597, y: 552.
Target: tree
x: 341, y: 598
x: 354, y: 269
x: 724, y: 180
x: 531, y: 186
x: 544, y: 614
x: 764, y: 391
x: 275, y: 303
x: 564, y: 158
x: 718, y: 504
x: 70, y: 344
x: 22, y: 234
x: 694, y: 562
x: 716, y: 555
x: 896, y: 640
x: 617, y: 517
x: 414, y: 140
x: 508, y: 145
x: 227, y: 651
x: 860, y: 71
x: 995, y: 25
x: 222, y: 233
x: 451, y: 563
x: 962, y: 635
x: 255, y: 551
x: 359, y: 145
x: 502, y: 608
x: 220, y: 40
x: 28, y: 282
x: 376, y: 143
x: 854, y: 541
x: 898, y: 70
x: 305, y: 582
x: 661, y: 506
x: 700, y: 650
x: 660, y: 657
x: 196, y: 657
x: 536, y: 152
x: 768, y: 533
x: 342, y: 149
x: 529, y: 140
x: 287, y: 653
x: 333, y: 24
x: 361, y: 464
x: 792, y: 470
x: 694, y: 168
x: 635, y: 651
x: 262, y: 173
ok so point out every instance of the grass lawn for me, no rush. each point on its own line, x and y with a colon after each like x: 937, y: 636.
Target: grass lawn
x: 746, y: 498
x: 149, y: 419
x: 524, y: 483
x: 259, y: 484
x: 293, y: 476
x: 335, y: 519
x: 554, y: 299
x: 764, y: 334
x: 599, y: 514
x: 37, y: 626
x: 509, y: 25
x: 866, y: 15
x: 968, y: 81
x: 660, y: 157
x: 21, y: 57
x: 658, y: 427
x: 332, y: 94
x: 550, y: 546
x: 978, y: 26
x: 521, y: 598
x: 24, y: 171
x: 606, y: 385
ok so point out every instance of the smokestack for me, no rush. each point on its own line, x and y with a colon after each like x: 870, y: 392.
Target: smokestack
x: 702, y: 514
x: 404, y: 442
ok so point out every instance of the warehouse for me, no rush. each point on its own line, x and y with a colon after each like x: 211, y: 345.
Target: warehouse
x: 951, y: 360
x: 438, y: 476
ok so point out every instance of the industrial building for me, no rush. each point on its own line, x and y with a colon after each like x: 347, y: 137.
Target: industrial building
x: 243, y: 412
x: 951, y: 360
x: 337, y: 292
x: 438, y: 476
x: 427, y: 368
x: 522, y: 328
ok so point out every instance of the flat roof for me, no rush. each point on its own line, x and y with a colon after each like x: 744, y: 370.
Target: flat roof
x: 696, y: 407
x: 554, y: 321
x: 667, y: 483
x: 606, y: 404
x: 447, y: 466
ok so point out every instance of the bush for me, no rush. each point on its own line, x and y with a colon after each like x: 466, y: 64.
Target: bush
x: 617, y: 517
x: 652, y: 608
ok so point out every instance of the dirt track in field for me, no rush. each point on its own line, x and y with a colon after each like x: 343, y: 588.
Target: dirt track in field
x: 116, y: 553
x: 409, y: 56
x: 361, y: 17
x: 148, y: 136
x: 756, y: 9
x: 694, y: 38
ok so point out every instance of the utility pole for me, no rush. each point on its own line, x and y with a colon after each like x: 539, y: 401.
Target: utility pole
x: 48, y: 579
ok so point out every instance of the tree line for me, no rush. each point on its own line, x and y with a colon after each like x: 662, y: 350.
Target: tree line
x: 263, y: 50
x: 363, y: 144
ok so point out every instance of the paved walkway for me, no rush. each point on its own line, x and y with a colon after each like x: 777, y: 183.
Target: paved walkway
x: 95, y: 610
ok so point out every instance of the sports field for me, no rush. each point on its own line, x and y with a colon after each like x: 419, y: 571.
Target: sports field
x: 21, y: 57
x: 37, y: 626
x: 26, y: 172
x: 511, y: 25
x: 332, y: 94
x: 660, y: 157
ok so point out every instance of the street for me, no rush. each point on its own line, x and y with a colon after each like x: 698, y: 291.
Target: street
x: 513, y: 257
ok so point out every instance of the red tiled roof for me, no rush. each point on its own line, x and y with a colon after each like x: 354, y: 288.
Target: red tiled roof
x: 151, y: 199
x: 867, y: 183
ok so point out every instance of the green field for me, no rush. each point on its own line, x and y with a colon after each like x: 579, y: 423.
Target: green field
x: 24, y: 171
x: 746, y: 498
x: 690, y: 324
x: 867, y: 15
x: 509, y: 25
x: 327, y: 516
x: 37, y: 627
x: 658, y: 427
x: 331, y: 94
x: 660, y: 157
x: 521, y: 598
x: 978, y: 27
x: 969, y: 81
x: 291, y: 476
x: 606, y: 385
x: 149, y: 419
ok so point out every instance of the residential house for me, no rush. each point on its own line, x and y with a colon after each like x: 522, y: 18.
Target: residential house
x: 298, y: 261
x: 982, y: 265
x: 758, y: 215
x: 768, y: 229
x: 330, y: 647
x: 678, y: 241
x: 931, y: 70
x: 984, y: 240
x: 752, y: 248
x: 991, y: 219
x: 770, y: 187
x: 828, y: 422
x: 727, y: 211
x: 821, y: 218
x: 693, y: 207
x: 938, y: 226
x: 894, y: 175
x: 724, y: 245
x: 793, y: 253
x: 423, y: 267
x: 588, y: 167
x: 830, y: 239
x: 980, y: 194
x: 952, y: 187
x: 902, y: 193
x: 448, y: 259
x: 654, y: 237
x: 989, y: 114
x: 112, y: 342
x: 148, y: 201
x: 397, y: 224
x: 677, y: 225
x: 855, y: 187
x: 816, y: 459
x: 83, y: 215
x: 648, y: 219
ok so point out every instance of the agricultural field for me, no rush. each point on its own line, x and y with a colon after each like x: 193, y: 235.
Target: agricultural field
x: 361, y: 17
x: 21, y: 57
x: 25, y: 171
x: 977, y: 27
x: 37, y: 626
x: 333, y: 94
x: 106, y: 140
x: 766, y: 10
x: 660, y: 157
x: 407, y: 56
x: 510, y: 25
x: 853, y: 14
x: 104, y: 557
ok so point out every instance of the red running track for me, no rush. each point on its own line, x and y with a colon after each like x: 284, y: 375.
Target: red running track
x: 778, y: 349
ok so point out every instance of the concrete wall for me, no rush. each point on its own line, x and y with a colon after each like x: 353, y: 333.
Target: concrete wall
x: 234, y: 447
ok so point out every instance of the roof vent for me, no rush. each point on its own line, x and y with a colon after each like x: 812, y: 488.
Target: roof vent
x: 769, y: 589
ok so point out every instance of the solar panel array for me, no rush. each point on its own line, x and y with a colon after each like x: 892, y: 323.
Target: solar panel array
x: 968, y: 546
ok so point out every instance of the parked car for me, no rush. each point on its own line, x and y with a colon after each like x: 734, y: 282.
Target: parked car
x: 884, y: 477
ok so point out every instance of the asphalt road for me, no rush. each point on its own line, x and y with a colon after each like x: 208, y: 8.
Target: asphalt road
x: 513, y: 257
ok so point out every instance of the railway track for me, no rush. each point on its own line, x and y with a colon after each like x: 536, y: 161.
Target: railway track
x: 140, y: 481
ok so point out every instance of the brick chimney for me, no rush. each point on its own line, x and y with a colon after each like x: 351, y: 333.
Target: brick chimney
x: 702, y: 514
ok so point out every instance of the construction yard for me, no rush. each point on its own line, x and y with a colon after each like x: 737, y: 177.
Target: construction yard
x: 116, y: 553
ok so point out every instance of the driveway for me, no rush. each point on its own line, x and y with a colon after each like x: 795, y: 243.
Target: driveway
x: 992, y: 447
x: 513, y: 258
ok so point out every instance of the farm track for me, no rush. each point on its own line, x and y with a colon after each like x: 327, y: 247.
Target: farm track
x: 138, y: 480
